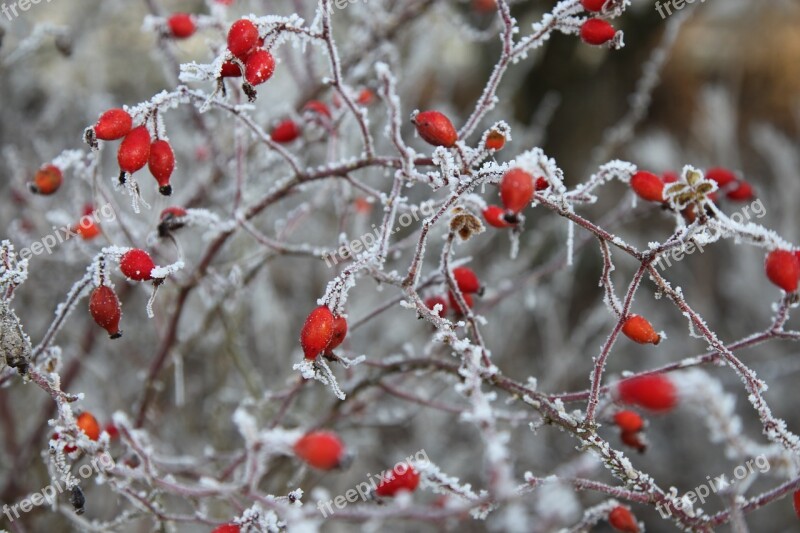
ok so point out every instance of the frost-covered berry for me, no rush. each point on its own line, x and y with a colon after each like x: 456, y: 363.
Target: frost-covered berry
x: 47, y: 180
x: 648, y: 186
x: 597, y: 31
x: 137, y: 265
x: 495, y: 140
x: 320, y: 449
x: 259, y: 67
x: 113, y: 124
x: 655, y: 392
x: 622, y: 519
x: 397, y: 480
x: 435, y: 128
x: 467, y: 280
x: 783, y: 269
x: 285, y: 131
x: 181, y: 25
x: 104, y: 308
x: 317, y: 332
x: 242, y: 38
x: 134, y: 150
x: 516, y: 190
x: 161, y: 164
x: 638, y: 329
x: 89, y: 425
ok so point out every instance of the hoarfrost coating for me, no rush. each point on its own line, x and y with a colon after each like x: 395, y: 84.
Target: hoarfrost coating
x: 573, y: 156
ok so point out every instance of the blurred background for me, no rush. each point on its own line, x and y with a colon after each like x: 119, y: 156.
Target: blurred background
x: 728, y: 95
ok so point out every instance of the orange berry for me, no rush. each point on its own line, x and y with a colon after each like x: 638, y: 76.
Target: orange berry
x: 638, y: 329
x: 47, y: 180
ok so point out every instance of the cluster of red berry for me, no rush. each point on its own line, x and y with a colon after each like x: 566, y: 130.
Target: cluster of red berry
x: 136, y: 265
x: 137, y: 148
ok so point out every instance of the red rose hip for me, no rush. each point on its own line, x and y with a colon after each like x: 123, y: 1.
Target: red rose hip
x: 134, y: 151
x: 320, y: 449
x: 783, y: 269
x: 516, y: 190
x: 435, y: 128
x: 259, y: 67
x: 137, y: 265
x: 181, y: 25
x: 397, y: 481
x: 622, y: 519
x: 648, y: 186
x: 161, y: 164
x: 317, y: 332
x: 285, y: 132
x: 105, y: 310
x: 242, y: 38
x: 113, y: 124
x: 467, y: 280
x: 638, y: 329
x: 597, y: 32
x: 655, y: 392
